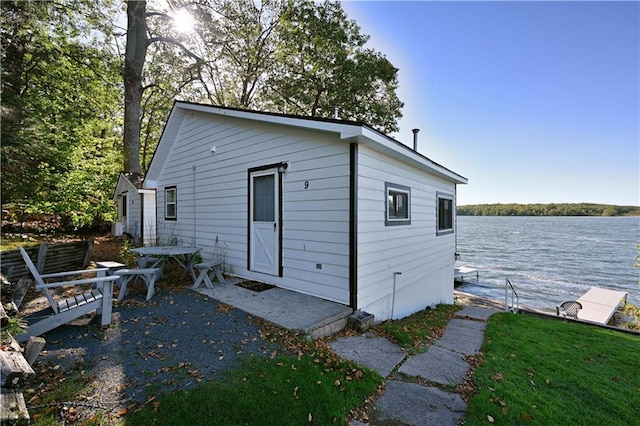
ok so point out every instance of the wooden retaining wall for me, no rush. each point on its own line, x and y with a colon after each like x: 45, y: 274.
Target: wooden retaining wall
x: 48, y: 258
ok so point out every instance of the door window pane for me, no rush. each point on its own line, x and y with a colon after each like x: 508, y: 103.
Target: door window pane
x: 264, y: 198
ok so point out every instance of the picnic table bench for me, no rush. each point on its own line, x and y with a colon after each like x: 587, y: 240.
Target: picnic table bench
x: 206, y: 268
x: 148, y: 276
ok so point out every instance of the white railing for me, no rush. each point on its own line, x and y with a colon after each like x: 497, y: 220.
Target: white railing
x: 514, y: 297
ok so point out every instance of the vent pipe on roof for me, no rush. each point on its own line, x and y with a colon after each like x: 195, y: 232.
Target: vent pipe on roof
x: 415, y: 138
x: 335, y: 113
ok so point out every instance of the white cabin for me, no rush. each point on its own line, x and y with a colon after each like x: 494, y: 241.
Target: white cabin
x: 136, y: 209
x: 329, y: 208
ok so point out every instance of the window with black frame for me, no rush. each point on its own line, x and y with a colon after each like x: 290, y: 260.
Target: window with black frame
x: 444, y: 213
x: 398, y: 204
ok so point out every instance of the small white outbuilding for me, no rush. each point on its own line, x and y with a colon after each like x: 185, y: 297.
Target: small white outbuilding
x: 136, y: 209
x: 325, y: 207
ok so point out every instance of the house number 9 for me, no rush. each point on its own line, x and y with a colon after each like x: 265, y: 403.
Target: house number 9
x: 306, y: 184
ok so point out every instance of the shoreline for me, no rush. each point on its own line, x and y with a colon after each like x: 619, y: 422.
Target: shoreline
x: 468, y: 299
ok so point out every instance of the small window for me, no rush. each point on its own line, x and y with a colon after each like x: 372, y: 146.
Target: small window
x: 170, y: 203
x: 444, y: 213
x: 124, y: 205
x: 398, y: 205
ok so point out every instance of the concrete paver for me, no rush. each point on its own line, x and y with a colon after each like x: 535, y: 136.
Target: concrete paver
x: 402, y: 401
x: 371, y: 351
x: 463, y: 336
x: 475, y: 312
x: 438, y: 365
x: 443, y: 363
x: 415, y: 404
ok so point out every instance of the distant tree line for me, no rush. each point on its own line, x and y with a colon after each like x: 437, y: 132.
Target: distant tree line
x: 563, y: 209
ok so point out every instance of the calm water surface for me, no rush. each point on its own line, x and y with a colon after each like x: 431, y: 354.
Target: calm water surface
x: 549, y: 259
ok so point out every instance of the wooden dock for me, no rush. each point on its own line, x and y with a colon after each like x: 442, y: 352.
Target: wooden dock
x: 462, y: 271
x: 599, y: 305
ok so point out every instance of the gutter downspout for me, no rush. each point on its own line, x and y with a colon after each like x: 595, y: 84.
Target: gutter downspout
x: 456, y: 255
x: 142, y: 239
x: 193, y: 243
x: 353, y: 226
x: 393, y: 296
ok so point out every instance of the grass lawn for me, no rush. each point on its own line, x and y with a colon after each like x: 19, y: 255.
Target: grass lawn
x: 315, y: 388
x: 281, y: 391
x: 415, y: 332
x: 533, y: 371
x: 540, y: 371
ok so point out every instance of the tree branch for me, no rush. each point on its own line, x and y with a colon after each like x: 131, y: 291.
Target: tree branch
x: 159, y: 14
x: 160, y: 39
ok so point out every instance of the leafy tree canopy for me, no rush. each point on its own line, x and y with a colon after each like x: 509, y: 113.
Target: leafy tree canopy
x: 322, y: 64
x: 60, y: 114
x: 66, y: 132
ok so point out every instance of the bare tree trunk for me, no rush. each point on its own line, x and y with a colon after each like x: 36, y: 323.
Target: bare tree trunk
x: 134, y: 57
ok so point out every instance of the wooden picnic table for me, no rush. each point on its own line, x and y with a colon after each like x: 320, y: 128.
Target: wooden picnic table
x: 182, y: 255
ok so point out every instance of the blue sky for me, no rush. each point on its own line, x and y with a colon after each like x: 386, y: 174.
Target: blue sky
x: 533, y: 102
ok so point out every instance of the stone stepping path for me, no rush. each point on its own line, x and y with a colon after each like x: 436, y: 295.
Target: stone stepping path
x: 443, y: 363
x: 370, y: 350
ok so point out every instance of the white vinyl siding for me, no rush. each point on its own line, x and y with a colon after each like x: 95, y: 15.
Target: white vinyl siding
x: 149, y: 217
x: 140, y: 219
x: 213, y: 198
x: 213, y: 205
x: 424, y: 261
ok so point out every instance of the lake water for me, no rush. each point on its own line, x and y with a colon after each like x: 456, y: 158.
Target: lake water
x: 549, y: 259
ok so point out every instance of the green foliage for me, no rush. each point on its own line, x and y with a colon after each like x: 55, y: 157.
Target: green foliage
x: 281, y: 391
x: 542, y: 371
x: 60, y: 149
x: 126, y: 255
x: 629, y: 317
x: 62, y: 87
x: 15, y: 326
x: 245, y: 55
x: 296, y: 57
x: 322, y: 64
x: 561, y: 209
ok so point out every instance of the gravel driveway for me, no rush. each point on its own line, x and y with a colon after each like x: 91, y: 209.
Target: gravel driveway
x: 172, y: 342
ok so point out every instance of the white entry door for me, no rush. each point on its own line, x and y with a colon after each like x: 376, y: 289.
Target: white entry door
x: 264, y: 221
